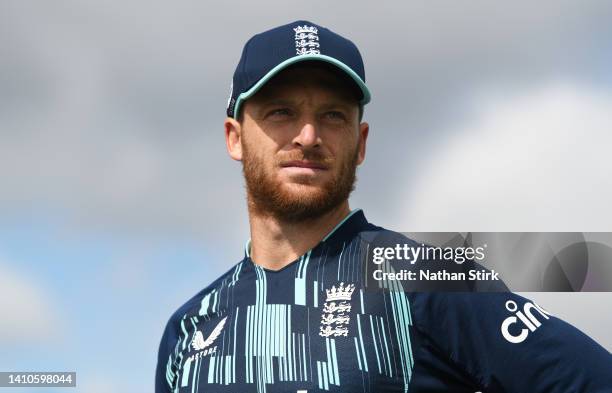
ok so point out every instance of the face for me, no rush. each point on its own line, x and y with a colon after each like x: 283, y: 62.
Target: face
x: 300, y: 142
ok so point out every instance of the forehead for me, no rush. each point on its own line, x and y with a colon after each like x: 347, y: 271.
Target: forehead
x: 307, y: 75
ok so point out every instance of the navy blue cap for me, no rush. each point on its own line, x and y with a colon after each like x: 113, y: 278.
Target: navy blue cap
x: 268, y: 53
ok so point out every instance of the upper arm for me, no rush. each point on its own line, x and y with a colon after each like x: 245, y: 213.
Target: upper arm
x: 508, y: 343
x: 164, y: 372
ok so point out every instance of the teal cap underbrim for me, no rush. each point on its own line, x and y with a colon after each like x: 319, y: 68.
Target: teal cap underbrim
x: 249, y: 93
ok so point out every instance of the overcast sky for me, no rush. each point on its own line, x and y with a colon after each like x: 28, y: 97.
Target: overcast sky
x: 115, y: 181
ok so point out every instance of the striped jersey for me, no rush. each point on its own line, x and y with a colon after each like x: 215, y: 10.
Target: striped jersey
x: 317, y: 326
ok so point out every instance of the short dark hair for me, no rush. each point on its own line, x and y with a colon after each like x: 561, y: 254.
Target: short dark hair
x: 345, y: 81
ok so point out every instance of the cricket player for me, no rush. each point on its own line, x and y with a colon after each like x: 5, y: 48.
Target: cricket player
x: 296, y: 313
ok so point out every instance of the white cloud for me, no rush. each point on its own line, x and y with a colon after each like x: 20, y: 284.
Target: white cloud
x: 28, y: 315
x: 113, y: 114
x: 534, y: 161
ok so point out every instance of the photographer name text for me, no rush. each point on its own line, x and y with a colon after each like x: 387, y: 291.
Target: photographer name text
x: 437, y: 275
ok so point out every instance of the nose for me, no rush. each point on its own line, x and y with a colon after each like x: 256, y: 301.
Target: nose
x: 308, y: 137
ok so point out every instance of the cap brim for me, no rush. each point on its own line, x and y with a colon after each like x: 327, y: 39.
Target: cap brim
x: 296, y: 59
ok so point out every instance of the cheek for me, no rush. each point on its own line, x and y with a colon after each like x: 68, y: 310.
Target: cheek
x: 255, y: 140
x: 261, y: 154
x: 342, y: 146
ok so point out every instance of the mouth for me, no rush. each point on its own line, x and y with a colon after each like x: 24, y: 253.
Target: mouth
x: 304, y: 164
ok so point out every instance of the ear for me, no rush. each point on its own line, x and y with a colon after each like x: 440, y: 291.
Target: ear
x: 233, y: 138
x: 364, y: 129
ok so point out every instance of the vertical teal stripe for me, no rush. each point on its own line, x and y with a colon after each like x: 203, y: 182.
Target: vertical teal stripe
x: 289, y: 348
x: 247, y: 341
x: 259, y: 330
x: 211, y: 368
x: 228, y: 369
x: 335, y: 362
x: 270, y: 344
x: 298, y: 271
x: 236, y: 274
x: 204, y: 304
x: 264, y: 336
x: 199, y: 368
x: 184, y: 333
x: 234, y: 357
x: 280, y: 329
x: 193, y: 379
x: 315, y: 294
x: 281, y: 346
x: 293, y: 350
x: 252, y: 355
x: 328, y: 363
x: 273, y: 327
x: 258, y: 327
x: 283, y: 343
x: 186, y: 369
x: 169, y: 373
x: 325, y: 378
x: 382, y: 322
x: 266, y: 346
x: 403, y: 356
x: 304, y: 269
x: 340, y: 260
x: 380, y: 344
x: 357, y: 352
x: 365, y: 360
x: 400, y: 315
x: 309, y: 350
x: 218, y: 368
x: 361, y: 297
x: 280, y: 358
x: 304, y: 346
x: 305, y: 264
x: 300, y: 279
x: 407, y: 322
x: 300, y: 291
x: 375, y: 346
x: 215, y: 301
x: 319, y: 377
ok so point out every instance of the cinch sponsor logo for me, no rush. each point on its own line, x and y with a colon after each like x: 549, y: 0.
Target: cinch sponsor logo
x: 529, y: 322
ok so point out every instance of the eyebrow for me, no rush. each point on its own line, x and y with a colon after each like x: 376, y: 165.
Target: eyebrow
x: 266, y: 103
x: 271, y: 101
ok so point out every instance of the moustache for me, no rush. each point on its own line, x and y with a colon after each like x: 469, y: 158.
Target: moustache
x: 312, y: 157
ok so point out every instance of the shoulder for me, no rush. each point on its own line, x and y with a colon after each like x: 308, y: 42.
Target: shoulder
x: 497, y: 337
x: 175, y: 332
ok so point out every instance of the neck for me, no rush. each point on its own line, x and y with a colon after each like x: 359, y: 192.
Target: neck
x: 275, y: 243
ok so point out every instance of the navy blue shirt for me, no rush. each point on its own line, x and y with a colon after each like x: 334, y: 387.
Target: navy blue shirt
x: 314, y: 325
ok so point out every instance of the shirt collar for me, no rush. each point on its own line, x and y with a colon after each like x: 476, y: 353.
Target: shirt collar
x: 352, y: 223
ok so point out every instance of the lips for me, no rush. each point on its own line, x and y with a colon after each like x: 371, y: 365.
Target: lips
x: 304, y: 164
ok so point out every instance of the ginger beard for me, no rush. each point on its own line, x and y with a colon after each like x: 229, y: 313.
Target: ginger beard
x: 267, y: 196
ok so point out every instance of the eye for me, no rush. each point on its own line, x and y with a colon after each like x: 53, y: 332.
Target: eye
x: 280, y: 112
x: 335, y: 115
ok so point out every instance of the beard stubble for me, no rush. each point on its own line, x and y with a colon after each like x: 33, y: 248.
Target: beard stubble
x: 267, y: 196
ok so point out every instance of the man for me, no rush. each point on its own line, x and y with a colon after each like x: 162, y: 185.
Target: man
x: 295, y: 314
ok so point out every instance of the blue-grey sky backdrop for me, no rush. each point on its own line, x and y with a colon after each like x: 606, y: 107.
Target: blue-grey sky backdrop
x: 118, y: 201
